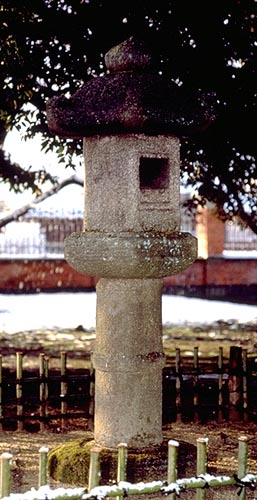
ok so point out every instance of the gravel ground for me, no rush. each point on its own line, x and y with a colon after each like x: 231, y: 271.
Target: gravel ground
x: 222, y: 450
x: 222, y: 436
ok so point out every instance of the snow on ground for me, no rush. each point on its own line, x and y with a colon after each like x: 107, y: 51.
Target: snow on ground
x: 20, y: 312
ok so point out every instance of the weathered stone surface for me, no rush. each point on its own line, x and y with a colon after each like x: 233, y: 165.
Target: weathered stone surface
x: 128, y: 358
x: 130, y: 55
x: 130, y: 255
x: 130, y: 119
x: 133, y: 98
x: 116, y: 198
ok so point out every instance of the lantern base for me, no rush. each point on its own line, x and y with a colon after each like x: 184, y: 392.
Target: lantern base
x: 69, y: 463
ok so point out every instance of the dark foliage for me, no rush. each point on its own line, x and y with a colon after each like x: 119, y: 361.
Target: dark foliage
x: 48, y: 47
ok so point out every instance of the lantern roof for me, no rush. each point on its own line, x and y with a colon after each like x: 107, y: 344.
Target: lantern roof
x: 131, y: 97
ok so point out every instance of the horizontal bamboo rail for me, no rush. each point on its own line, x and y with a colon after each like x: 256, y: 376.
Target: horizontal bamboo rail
x: 188, y: 388
x: 174, y: 486
x: 15, y: 392
x: 241, y: 479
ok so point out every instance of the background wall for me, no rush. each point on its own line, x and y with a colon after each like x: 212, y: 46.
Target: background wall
x: 215, y: 277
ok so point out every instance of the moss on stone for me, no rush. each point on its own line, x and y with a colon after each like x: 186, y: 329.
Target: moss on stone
x: 69, y: 463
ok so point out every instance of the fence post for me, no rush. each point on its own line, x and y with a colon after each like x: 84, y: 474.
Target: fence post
x: 196, y: 389
x: 244, y: 366
x: 172, y: 464
x: 5, y: 487
x: 94, y: 469
x: 201, y: 465
x: 122, y: 464
x: 42, y: 390
x: 178, y: 383
x: 1, y: 381
x: 91, y: 396
x: 42, y: 478
x: 46, y: 366
x: 64, y: 387
x: 235, y: 385
x: 242, y: 463
x: 220, y: 379
x: 19, y: 358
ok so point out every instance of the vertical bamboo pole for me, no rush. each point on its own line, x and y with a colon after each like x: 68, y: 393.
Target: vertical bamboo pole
x: 1, y: 395
x: 220, y: 383
x: 42, y: 477
x: 242, y: 463
x: 178, y: 384
x: 235, y: 384
x: 64, y: 387
x: 122, y: 464
x: 94, y: 469
x: 46, y: 368
x: 244, y: 365
x: 196, y: 393
x: 201, y: 465
x: 172, y: 464
x: 42, y: 391
x: 19, y: 359
x: 220, y: 368
x: 5, y: 476
x: 91, y: 396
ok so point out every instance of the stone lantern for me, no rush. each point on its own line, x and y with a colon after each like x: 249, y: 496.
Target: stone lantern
x: 130, y: 120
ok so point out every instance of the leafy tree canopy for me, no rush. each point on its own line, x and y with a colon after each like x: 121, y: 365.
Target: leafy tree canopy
x: 49, y: 47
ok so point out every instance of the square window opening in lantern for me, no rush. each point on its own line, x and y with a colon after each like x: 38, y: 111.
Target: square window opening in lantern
x: 153, y: 173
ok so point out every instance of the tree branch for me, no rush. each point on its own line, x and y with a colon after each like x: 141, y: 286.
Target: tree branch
x: 55, y: 189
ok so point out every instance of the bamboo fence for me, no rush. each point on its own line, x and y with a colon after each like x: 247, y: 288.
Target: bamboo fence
x: 242, y: 480
x: 191, y: 390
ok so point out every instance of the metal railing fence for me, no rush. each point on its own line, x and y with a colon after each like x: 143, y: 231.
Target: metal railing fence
x: 42, y: 234
x: 238, y: 238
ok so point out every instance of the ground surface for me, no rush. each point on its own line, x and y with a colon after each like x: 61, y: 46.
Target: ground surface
x: 223, y: 436
x: 222, y: 449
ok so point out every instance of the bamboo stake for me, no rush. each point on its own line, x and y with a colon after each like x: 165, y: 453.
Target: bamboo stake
x: 235, y: 384
x: 64, y: 387
x: 220, y: 383
x: 94, y: 469
x: 196, y: 370
x: 5, y: 485
x: 122, y: 463
x: 42, y: 391
x: 1, y: 381
x: 220, y: 366
x: 42, y: 478
x: 46, y: 365
x: 178, y: 384
x: 172, y: 464
x: 19, y: 359
x: 91, y: 396
x: 201, y: 465
x: 244, y: 366
x: 242, y: 463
